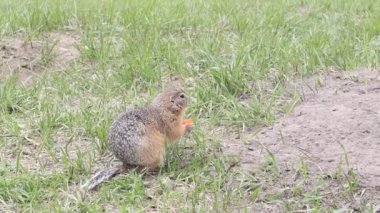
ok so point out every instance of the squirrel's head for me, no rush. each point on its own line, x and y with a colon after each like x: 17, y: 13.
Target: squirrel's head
x: 173, y: 100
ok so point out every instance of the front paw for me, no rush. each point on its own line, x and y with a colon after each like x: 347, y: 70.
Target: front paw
x: 188, y: 123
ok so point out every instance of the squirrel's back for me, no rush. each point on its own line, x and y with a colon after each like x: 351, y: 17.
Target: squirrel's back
x: 132, y: 131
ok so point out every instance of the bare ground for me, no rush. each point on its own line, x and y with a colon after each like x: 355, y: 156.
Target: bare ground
x: 27, y: 57
x: 341, y: 119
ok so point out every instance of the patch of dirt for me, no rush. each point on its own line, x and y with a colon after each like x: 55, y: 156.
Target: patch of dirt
x: 342, y: 117
x: 34, y: 156
x: 26, y: 58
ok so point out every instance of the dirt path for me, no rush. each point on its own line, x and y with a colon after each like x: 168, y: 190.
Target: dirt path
x: 343, y: 113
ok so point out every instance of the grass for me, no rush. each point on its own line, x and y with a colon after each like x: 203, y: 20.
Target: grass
x: 53, y: 133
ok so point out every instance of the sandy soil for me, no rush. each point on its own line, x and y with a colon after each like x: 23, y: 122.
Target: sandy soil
x: 341, y: 117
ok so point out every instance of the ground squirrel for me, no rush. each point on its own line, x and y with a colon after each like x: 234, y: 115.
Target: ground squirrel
x: 138, y: 137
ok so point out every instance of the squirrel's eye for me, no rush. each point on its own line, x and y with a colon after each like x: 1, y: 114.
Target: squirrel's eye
x: 182, y: 96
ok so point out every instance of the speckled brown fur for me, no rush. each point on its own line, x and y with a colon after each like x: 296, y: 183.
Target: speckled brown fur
x: 138, y: 137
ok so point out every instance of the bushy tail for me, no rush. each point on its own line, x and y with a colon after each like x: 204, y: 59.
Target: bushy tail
x: 101, y: 177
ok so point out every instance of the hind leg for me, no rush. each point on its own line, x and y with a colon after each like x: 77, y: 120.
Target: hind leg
x: 157, y: 164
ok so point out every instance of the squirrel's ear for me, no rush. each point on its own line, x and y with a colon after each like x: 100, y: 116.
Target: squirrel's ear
x: 171, y: 99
